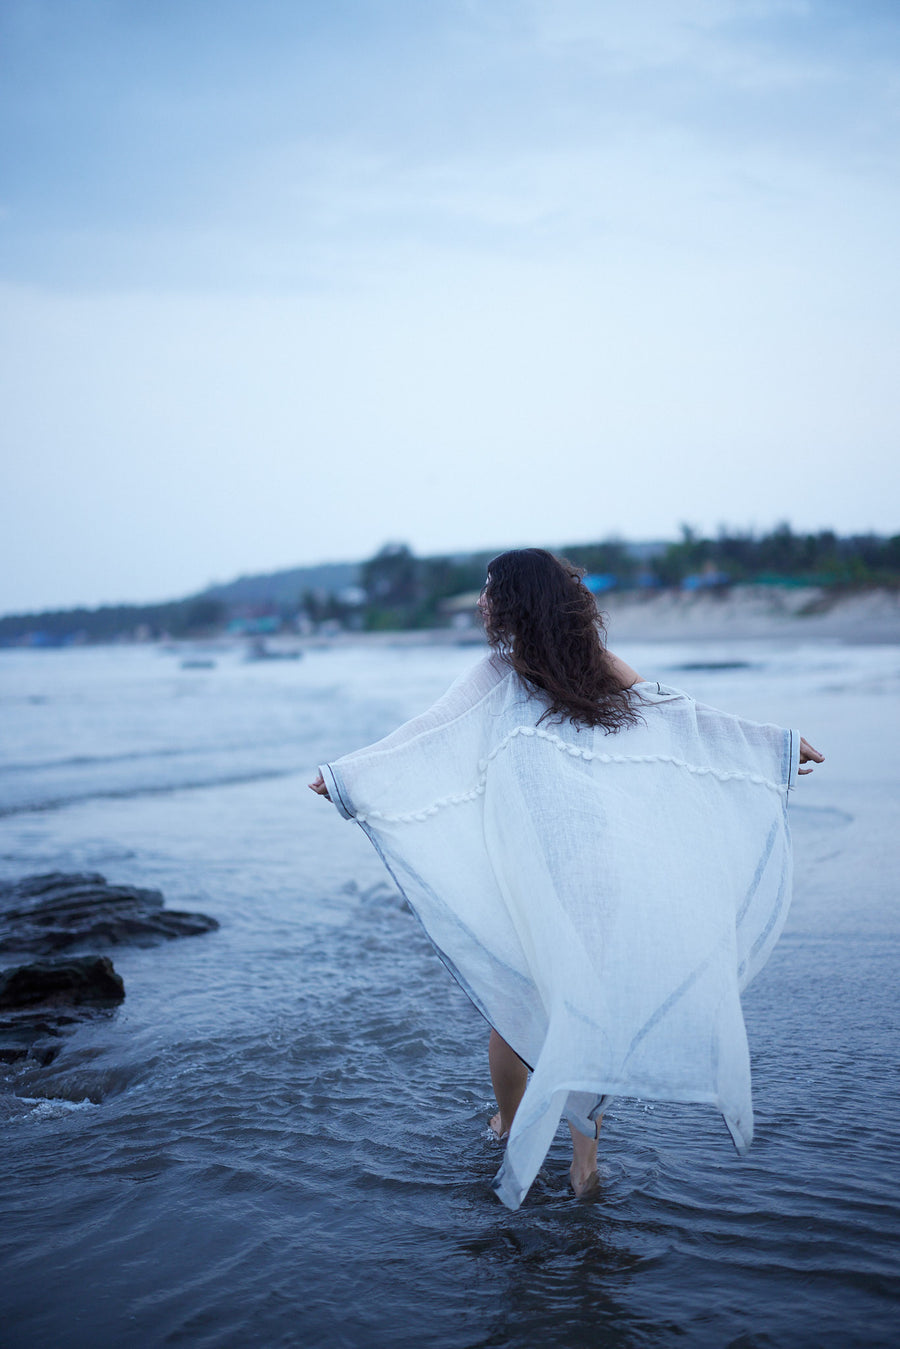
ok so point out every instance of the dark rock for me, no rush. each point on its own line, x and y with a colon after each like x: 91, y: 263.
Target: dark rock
x: 28, y: 1042
x: 57, y: 983
x: 37, y: 1003
x: 43, y: 914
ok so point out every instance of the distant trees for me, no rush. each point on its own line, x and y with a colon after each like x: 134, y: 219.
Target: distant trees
x: 321, y: 606
x: 398, y: 590
x: 196, y: 617
x: 405, y: 591
x: 392, y: 582
x: 202, y: 615
x: 783, y: 557
x: 611, y: 558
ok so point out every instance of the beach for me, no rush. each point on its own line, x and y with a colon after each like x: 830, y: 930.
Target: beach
x: 280, y: 1137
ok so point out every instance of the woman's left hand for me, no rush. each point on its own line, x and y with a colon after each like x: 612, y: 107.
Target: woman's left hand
x: 809, y: 755
x: 318, y: 786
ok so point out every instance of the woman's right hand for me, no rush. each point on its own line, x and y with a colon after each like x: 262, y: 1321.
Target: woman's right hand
x: 318, y: 786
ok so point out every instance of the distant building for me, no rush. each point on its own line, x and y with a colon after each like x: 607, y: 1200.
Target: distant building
x: 461, y: 611
x: 707, y: 579
x: 352, y: 596
x: 259, y: 626
x: 598, y: 582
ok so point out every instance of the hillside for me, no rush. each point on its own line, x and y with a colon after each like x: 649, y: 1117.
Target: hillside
x: 285, y: 587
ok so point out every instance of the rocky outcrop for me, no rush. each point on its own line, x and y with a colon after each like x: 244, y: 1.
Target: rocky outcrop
x: 62, y: 983
x: 43, y: 915
x: 38, y: 1001
x: 56, y: 912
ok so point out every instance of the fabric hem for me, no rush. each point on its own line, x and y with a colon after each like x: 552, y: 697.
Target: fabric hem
x: 339, y: 798
x: 794, y: 768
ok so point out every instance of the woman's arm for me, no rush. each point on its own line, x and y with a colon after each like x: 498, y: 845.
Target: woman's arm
x: 628, y: 676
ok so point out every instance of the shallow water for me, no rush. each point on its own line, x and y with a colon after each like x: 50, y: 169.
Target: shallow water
x: 280, y: 1137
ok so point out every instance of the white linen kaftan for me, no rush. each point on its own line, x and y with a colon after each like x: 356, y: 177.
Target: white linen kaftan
x: 602, y: 898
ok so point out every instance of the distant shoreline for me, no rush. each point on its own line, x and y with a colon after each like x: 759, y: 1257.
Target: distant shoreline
x: 740, y: 613
x: 866, y: 616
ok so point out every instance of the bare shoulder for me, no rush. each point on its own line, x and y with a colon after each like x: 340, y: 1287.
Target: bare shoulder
x: 625, y: 674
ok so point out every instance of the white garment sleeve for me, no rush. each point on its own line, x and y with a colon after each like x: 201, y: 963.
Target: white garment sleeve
x: 463, y: 694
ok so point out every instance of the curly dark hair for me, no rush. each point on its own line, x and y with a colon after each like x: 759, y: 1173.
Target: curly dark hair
x: 541, y: 617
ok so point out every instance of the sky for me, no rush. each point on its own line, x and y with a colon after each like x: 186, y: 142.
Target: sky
x: 283, y: 282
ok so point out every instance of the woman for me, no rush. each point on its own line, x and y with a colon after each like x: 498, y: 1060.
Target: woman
x: 602, y: 863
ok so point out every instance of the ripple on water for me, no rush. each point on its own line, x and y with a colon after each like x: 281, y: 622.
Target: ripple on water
x: 818, y: 817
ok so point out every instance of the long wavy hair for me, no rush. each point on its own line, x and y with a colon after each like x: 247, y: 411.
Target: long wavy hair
x: 545, y: 622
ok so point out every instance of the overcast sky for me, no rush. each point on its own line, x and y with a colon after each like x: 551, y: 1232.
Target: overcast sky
x: 282, y: 281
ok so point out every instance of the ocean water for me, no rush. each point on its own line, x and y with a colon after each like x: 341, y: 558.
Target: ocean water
x: 281, y: 1138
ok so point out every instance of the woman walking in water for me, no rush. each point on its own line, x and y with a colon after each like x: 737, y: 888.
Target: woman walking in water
x: 602, y: 862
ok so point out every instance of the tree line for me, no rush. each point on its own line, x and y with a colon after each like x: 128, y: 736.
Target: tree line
x: 111, y: 622
x: 783, y: 557
x: 398, y: 590
x: 405, y: 591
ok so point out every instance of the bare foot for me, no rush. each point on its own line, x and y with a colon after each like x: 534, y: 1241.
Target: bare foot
x: 583, y: 1171
x: 497, y: 1127
x: 583, y: 1182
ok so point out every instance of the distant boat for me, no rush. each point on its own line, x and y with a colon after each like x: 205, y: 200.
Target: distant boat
x: 198, y: 663
x: 259, y: 651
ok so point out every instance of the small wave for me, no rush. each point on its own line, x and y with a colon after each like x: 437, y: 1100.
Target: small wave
x: 134, y: 756
x: 92, y: 760
x: 819, y: 817
x: 53, y: 1107
x: 161, y: 789
x: 713, y: 665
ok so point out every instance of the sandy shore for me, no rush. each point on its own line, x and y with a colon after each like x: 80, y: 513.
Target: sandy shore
x: 755, y: 612
x: 741, y: 613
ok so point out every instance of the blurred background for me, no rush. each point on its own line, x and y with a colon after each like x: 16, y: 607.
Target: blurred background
x: 282, y: 283
x: 307, y: 308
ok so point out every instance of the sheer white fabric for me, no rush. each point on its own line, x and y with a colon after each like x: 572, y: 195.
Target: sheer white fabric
x: 603, y: 899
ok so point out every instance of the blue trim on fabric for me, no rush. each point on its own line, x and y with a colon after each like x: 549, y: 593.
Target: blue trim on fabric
x: 773, y: 918
x: 445, y: 959
x: 337, y: 792
x: 669, y: 1003
x: 758, y: 874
